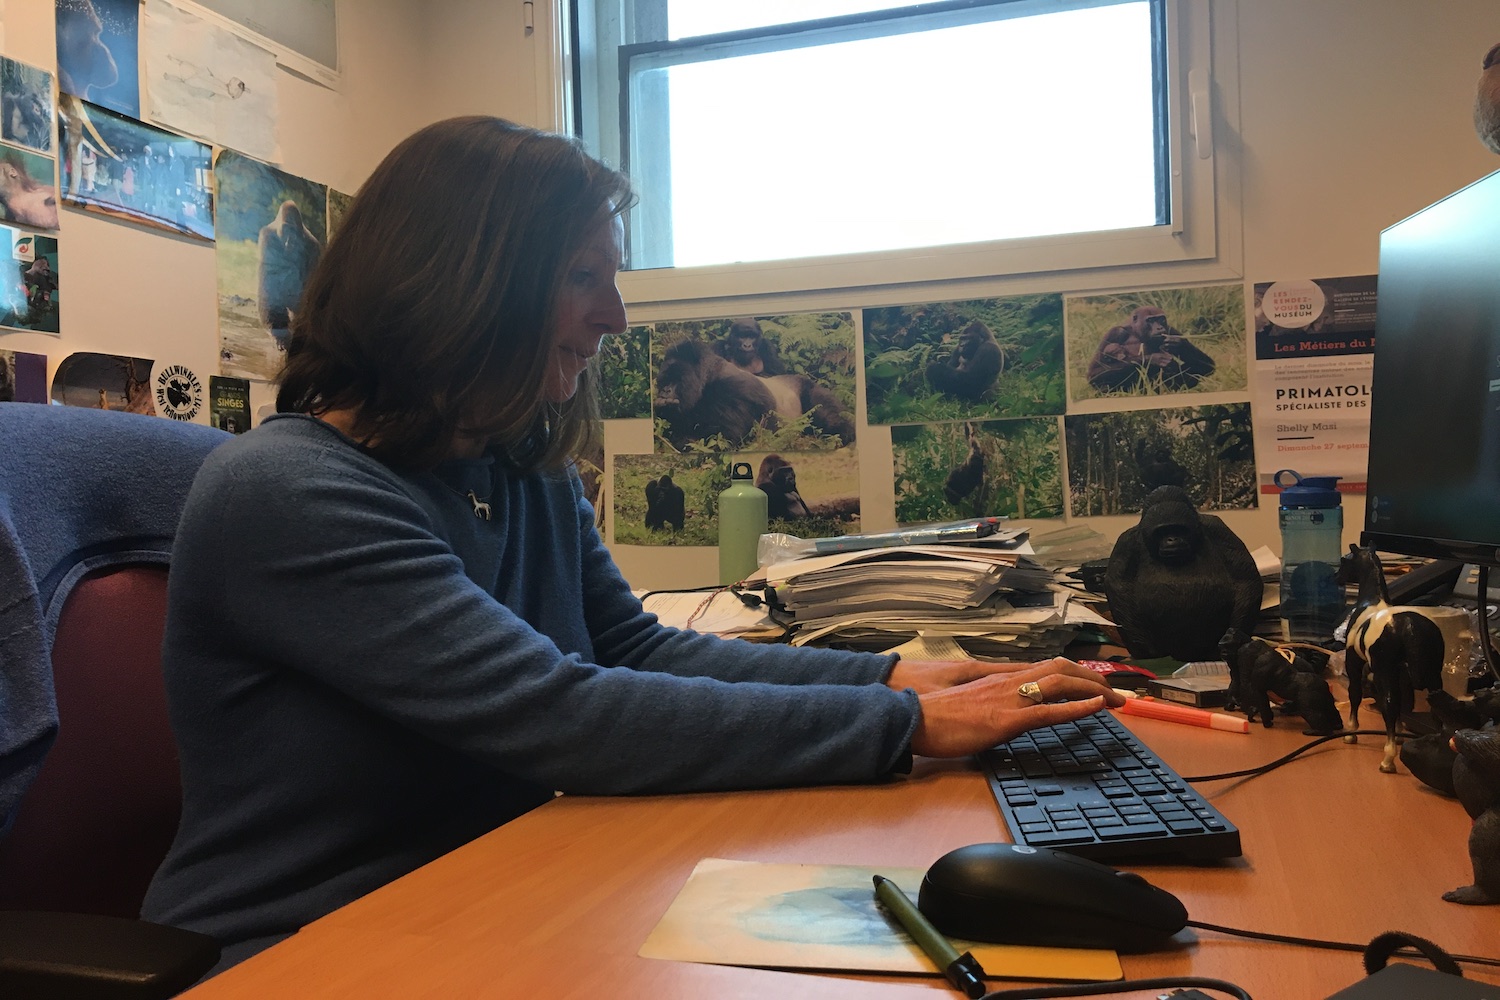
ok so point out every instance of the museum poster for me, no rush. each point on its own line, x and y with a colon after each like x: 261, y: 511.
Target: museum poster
x: 1314, y: 350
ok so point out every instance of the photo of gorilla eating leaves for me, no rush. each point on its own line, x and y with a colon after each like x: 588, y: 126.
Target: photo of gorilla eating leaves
x: 769, y: 383
x: 972, y: 360
x: 1156, y: 341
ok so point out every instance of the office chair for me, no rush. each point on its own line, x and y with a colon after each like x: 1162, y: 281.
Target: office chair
x: 89, y: 502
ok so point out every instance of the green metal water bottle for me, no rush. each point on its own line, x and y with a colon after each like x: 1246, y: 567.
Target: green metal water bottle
x: 742, y: 520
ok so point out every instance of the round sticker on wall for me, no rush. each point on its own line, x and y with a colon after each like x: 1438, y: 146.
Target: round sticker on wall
x: 179, y: 394
x: 1293, y: 305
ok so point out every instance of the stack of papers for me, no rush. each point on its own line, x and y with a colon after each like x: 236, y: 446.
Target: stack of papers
x: 993, y: 602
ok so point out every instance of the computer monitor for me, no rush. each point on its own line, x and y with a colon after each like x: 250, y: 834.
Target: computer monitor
x: 1434, y: 472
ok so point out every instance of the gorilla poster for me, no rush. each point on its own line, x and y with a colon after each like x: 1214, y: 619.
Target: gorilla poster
x: 271, y: 229
x: 1156, y: 342
x: 29, y: 296
x: 971, y: 360
x: 1008, y: 468
x: 673, y: 499
x: 748, y: 383
x: 1116, y: 459
x: 668, y: 499
x: 97, y: 46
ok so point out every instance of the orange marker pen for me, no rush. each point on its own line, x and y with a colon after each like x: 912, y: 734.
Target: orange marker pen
x: 1167, y: 711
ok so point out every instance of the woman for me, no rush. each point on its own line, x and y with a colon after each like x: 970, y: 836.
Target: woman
x: 392, y: 626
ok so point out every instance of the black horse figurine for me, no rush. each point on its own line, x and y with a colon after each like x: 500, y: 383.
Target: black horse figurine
x: 1400, y: 648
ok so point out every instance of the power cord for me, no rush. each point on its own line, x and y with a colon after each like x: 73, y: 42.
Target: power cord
x: 1251, y: 772
x: 1408, y: 946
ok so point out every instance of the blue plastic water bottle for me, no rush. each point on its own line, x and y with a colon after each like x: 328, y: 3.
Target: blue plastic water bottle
x: 1312, y: 531
x: 742, y: 520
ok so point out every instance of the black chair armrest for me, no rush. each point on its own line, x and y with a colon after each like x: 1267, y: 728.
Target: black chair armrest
x: 80, y: 956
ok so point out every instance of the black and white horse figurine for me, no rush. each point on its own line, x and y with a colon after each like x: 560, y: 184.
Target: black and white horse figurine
x: 1401, y: 648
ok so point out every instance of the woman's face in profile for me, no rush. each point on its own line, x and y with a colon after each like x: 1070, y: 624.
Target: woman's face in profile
x: 589, y: 308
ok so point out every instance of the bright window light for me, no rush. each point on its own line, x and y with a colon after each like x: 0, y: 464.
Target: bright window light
x: 1017, y: 127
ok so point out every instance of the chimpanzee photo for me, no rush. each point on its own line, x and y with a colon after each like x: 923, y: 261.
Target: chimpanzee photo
x: 745, y: 346
x: 973, y: 367
x: 1145, y: 354
x: 778, y: 480
x: 665, y: 504
x: 1179, y: 580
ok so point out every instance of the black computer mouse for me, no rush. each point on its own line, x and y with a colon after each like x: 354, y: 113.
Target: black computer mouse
x: 1011, y: 894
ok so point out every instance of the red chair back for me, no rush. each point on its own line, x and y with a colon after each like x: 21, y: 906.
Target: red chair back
x: 102, y: 812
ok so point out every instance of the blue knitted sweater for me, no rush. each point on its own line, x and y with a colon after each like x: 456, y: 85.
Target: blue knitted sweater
x: 363, y: 675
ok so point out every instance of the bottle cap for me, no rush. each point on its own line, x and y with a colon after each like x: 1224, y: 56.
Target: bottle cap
x: 1308, y: 491
x: 741, y: 470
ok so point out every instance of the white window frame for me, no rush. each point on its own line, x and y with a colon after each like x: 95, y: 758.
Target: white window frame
x: 1200, y: 241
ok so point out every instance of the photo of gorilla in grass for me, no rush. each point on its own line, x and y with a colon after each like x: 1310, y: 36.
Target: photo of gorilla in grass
x: 765, y: 384
x: 1011, y: 468
x: 1156, y: 342
x: 972, y: 360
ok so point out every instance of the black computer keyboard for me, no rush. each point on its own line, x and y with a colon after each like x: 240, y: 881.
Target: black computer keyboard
x: 1092, y: 788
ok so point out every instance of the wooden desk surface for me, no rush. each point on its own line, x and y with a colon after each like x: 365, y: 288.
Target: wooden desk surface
x: 556, y: 903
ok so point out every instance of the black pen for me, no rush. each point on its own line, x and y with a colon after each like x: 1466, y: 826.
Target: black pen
x: 963, y: 971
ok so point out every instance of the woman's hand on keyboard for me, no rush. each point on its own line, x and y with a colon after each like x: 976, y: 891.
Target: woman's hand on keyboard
x: 923, y: 676
x: 971, y: 716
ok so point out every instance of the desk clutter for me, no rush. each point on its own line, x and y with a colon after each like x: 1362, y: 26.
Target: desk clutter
x: 974, y: 596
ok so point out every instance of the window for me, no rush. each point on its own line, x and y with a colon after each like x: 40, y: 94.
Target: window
x: 874, y: 143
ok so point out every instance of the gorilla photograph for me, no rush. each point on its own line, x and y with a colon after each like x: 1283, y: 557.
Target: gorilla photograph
x: 668, y: 499
x: 1156, y: 342
x: 1010, y: 468
x: 624, y: 370
x: 1115, y: 460
x: 674, y: 499
x: 272, y: 227
x: 974, y: 360
x: 761, y: 384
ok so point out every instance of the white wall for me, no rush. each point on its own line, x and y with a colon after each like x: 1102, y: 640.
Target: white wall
x: 140, y: 292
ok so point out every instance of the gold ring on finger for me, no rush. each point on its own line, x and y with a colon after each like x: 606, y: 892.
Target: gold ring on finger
x: 1032, y: 690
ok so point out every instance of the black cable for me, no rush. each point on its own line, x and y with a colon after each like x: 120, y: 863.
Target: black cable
x: 1121, y: 986
x: 1265, y: 768
x: 1482, y: 591
x: 1307, y: 942
x: 682, y: 590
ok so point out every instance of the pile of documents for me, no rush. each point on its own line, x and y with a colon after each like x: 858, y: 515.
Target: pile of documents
x: 994, y: 602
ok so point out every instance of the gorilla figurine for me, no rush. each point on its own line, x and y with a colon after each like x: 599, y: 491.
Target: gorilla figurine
x: 1179, y: 580
x: 1476, y: 780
